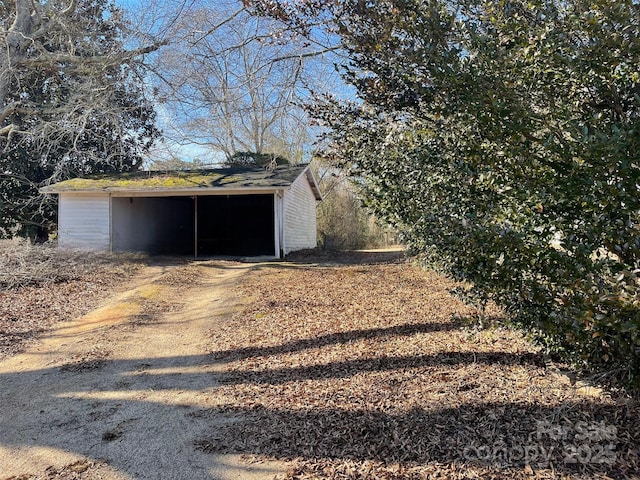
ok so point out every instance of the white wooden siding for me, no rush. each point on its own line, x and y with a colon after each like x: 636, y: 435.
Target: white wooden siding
x: 84, y: 221
x: 299, y: 216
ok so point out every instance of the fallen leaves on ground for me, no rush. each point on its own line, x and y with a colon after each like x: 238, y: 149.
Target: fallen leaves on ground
x: 367, y: 371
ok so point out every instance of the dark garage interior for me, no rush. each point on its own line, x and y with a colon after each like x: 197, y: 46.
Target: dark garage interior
x: 234, y: 225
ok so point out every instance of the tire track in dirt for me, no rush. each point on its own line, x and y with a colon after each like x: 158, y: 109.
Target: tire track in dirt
x: 116, y: 393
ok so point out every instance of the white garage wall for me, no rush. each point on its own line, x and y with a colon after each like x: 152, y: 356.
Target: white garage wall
x: 84, y: 221
x: 133, y: 224
x: 300, y: 230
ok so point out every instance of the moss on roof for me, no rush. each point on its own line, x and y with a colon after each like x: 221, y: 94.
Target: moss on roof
x: 181, y: 180
x: 152, y: 180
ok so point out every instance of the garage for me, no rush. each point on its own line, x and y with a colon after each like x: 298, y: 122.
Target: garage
x: 229, y: 212
x: 156, y: 225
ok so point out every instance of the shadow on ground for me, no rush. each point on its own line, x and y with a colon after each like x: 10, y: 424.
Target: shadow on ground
x: 347, y: 257
x: 583, y: 438
x: 303, y: 257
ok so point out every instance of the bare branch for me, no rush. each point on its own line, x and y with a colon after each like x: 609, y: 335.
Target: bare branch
x: 301, y: 56
x: 22, y: 19
x: 216, y: 27
x: 6, y: 131
x: 73, y: 4
x: 237, y: 84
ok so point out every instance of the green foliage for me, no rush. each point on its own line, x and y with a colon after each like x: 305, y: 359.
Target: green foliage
x: 503, y: 138
x: 82, y: 110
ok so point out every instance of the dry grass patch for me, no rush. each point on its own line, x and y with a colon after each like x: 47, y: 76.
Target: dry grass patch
x: 41, y: 285
x: 363, y: 371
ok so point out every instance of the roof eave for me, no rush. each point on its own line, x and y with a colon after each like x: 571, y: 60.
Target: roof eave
x: 160, y: 191
x: 311, y: 178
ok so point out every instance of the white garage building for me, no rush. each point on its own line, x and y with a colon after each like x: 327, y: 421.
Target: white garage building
x: 230, y: 211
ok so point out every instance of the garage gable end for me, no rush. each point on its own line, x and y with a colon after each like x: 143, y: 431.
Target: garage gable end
x: 300, y: 229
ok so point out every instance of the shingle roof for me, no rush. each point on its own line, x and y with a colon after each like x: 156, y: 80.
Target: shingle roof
x: 232, y: 178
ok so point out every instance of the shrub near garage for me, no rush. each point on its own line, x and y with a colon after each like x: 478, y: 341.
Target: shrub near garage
x: 541, y: 179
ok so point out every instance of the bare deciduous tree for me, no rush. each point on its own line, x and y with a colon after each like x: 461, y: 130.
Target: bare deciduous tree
x: 237, y: 83
x: 60, y: 40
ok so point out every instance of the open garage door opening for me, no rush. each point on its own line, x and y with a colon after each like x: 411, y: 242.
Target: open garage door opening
x: 235, y: 225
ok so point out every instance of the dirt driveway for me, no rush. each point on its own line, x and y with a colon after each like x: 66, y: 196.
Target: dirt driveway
x: 118, y: 393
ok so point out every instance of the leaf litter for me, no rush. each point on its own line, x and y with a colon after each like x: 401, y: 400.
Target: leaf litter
x: 369, y: 371
x: 41, y: 286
